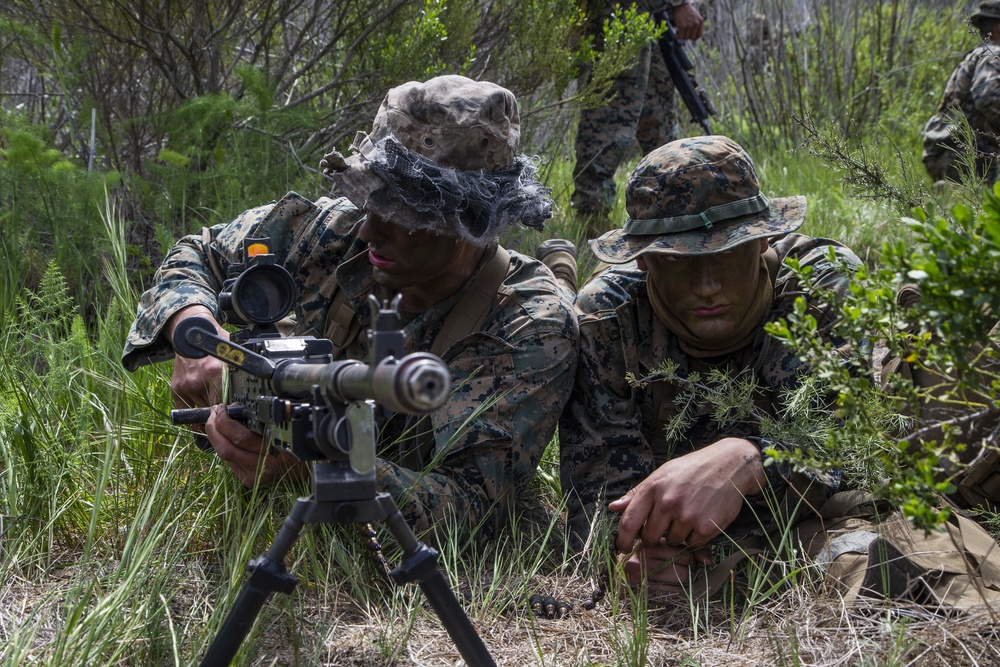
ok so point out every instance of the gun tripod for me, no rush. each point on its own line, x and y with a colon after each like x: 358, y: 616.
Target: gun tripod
x: 341, y: 496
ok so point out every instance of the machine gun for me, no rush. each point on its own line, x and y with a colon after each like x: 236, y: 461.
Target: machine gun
x: 325, y: 412
x: 681, y: 68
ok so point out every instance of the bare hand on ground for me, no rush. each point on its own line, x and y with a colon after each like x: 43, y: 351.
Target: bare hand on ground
x: 669, y: 568
x: 691, y: 499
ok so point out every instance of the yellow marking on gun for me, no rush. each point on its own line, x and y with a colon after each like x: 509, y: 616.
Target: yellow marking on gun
x: 229, y: 353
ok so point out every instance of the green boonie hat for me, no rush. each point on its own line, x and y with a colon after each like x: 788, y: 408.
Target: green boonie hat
x: 989, y: 10
x: 442, y: 157
x: 696, y: 196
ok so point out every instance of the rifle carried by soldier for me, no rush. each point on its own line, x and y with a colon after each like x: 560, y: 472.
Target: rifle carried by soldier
x: 681, y: 72
x: 324, y: 412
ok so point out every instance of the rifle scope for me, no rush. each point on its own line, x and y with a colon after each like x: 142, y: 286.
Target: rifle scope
x: 263, y: 293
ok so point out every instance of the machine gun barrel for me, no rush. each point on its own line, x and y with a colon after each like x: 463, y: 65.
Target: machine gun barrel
x: 415, y: 384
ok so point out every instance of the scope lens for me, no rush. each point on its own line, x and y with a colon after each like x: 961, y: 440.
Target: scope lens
x: 263, y: 294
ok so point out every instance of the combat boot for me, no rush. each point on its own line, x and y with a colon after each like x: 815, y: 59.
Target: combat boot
x: 560, y: 256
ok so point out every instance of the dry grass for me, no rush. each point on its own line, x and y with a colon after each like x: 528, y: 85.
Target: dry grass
x: 797, y: 627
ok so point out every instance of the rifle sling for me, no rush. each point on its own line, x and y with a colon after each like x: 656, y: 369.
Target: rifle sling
x: 466, y: 317
x: 475, y: 304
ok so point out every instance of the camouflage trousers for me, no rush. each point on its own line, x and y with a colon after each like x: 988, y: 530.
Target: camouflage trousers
x: 640, y: 108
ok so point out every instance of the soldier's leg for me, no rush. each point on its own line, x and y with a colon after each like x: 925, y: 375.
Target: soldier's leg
x: 602, y: 138
x: 560, y: 256
x: 658, y: 121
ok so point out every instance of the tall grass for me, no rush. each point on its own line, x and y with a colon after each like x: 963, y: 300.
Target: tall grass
x: 124, y: 545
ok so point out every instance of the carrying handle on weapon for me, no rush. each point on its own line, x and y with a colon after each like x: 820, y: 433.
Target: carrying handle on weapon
x: 195, y: 338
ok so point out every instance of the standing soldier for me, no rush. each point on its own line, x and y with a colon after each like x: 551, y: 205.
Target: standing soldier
x: 641, y: 107
x: 972, y: 92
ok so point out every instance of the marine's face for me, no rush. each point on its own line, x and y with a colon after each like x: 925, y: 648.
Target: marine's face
x: 990, y: 30
x: 424, y: 267
x: 710, y: 294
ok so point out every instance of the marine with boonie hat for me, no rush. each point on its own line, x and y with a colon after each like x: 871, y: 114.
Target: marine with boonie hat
x: 441, y: 161
x: 696, y: 196
x: 693, y: 200
x: 693, y: 515
x: 442, y: 157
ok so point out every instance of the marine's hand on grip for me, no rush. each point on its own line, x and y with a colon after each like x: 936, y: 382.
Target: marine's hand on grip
x: 195, y: 382
x: 245, y: 451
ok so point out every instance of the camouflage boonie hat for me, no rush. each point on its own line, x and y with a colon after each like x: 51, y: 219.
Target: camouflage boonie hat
x: 696, y: 196
x: 441, y: 153
x: 989, y: 10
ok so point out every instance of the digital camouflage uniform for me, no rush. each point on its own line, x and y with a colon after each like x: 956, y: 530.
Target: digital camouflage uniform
x: 510, y: 379
x: 640, y: 106
x: 701, y: 196
x: 973, y: 90
x: 609, y: 435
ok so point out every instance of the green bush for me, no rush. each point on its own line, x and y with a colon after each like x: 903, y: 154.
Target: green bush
x: 880, y: 66
x: 48, y: 212
x: 953, y: 260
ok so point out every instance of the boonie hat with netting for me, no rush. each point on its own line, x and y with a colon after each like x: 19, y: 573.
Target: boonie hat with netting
x: 442, y: 157
x: 698, y: 195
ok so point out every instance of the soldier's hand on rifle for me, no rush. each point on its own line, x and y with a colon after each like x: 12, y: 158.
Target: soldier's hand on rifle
x: 687, y: 22
x: 245, y: 451
x: 195, y: 383
x: 689, y: 500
